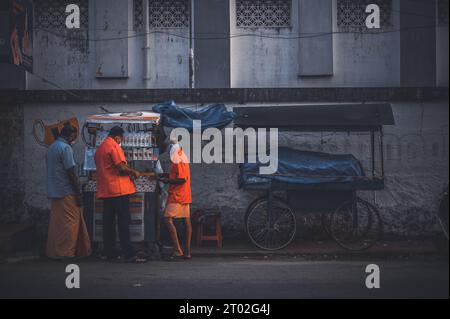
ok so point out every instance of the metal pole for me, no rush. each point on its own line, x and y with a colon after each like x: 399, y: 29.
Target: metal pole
x: 382, y: 151
x: 191, y: 48
x: 372, y: 145
x: 355, y: 212
x: 270, y: 204
x: 145, y: 12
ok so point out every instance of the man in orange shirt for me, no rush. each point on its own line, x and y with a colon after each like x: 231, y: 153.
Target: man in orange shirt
x: 114, y: 186
x: 179, y: 200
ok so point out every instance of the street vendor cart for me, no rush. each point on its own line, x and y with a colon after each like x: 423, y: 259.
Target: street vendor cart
x: 318, y: 182
x: 140, y: 145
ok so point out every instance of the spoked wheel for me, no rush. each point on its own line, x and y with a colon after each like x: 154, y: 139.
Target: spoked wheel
x: 356, y: 226
x: 270, y: 233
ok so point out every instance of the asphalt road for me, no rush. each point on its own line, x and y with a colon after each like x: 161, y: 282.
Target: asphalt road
x: 230, y: 278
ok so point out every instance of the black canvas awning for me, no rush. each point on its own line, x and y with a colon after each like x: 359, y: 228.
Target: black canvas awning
x: 337, y: 117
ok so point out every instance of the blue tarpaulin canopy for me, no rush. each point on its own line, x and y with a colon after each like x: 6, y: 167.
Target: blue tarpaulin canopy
x: 215, y: 115
x: 304, y: 168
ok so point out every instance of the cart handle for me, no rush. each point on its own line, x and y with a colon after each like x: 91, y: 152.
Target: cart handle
x: 308, y: 175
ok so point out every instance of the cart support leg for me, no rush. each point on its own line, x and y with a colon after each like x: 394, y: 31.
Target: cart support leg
x: 355, y: 212
x: 270, y: 217
x: 372, y: 151
x: 382, y: 151
x: 269, y: 209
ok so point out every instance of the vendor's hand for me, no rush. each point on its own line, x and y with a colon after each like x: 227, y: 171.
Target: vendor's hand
x: 79, y: 200
x: 164, y: 180
x: 136, y: 174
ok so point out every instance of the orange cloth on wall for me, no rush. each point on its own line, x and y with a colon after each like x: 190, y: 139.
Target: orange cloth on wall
x: 110, y: 183
x: 180, y: 194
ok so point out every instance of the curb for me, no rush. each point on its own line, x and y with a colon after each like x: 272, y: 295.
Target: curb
x: 297, y: 254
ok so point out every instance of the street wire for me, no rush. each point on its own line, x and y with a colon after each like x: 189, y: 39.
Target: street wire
x: 300, y: 36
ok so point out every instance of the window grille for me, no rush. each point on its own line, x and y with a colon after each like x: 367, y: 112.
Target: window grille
x: 169, y: 14
x: 263, y: 13
x: 51, y: 14
x: 163, y: 14
x: 351, y: 14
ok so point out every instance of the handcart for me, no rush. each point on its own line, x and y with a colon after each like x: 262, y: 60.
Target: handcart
x: 306, y: 180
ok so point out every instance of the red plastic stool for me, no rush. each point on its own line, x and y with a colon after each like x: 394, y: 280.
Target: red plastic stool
x: 200, y: 219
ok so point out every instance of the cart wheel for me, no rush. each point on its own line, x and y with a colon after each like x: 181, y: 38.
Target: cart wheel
x: 266, y: 235
x: 356, y: 226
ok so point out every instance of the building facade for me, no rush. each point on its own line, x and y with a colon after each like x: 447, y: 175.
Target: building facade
x: 130, y: 54
x: 239, y: 44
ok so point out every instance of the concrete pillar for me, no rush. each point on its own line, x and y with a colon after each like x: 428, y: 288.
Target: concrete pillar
x: 316, y: 53
x: 418, y: 43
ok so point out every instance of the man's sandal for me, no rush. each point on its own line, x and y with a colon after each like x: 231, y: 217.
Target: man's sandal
x: 136, y: 260
x: 110, y: 258
x: 175, y: 257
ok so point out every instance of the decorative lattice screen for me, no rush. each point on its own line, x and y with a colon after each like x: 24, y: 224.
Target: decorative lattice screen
x: 351, y: 14
x: 263, y: 13
x: 163, y: 14
x: 51, y: 14
x: 169, y: 14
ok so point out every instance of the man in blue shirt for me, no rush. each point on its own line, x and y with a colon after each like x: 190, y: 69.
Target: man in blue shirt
x: 67, y: 233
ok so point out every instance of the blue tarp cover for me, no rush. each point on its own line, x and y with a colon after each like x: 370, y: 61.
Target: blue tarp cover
x: 215, y: 115
x: 304, y: 168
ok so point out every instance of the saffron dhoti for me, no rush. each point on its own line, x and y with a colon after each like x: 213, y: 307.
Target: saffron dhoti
x: 67, y: 232
x: 177, y: 210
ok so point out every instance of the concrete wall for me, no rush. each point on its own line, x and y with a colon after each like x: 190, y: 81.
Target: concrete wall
x: 364, y: 59
x: 418, y: 43
x: 67, y: 58
x: 316, y: 17
x: 11, y: 159
x: 416, y: 165
x: 112, y: 21
x: 442, y: 56
x: 169, y: 59
x: 212, y: 57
